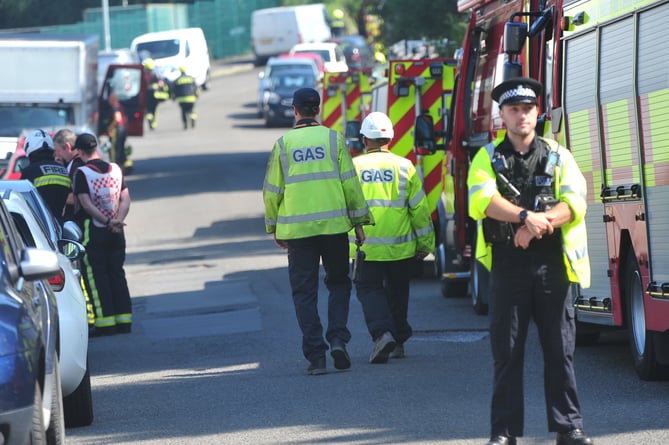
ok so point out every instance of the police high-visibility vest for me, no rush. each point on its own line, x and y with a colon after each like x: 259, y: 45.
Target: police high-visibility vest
x: 570, y: 187
x: 311, y: 187
x: 395, y: 196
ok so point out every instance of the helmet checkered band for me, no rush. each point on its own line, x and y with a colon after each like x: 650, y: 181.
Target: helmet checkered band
x: 519, y: 91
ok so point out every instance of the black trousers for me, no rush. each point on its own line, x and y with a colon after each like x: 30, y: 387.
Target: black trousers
x: 532, y: 285
x: 383, y: 291
x: 304, y: 257
x: 104, y: 276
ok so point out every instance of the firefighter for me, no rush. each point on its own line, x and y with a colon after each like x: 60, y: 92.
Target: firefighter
x: 103, y: 203
x: 49, y: 176
x: 312, y: 199
x: 158, y: 91
x: 337, y: 24
x: 186, y: 93
x: 403, y: 233
x: 530, y: 197
x: 117, y: 130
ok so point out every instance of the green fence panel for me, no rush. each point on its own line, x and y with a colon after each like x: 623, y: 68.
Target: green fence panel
x: 226, y: 23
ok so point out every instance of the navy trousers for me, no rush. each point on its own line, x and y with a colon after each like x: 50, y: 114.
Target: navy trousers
x: 304, y: 256
x: 383, y: 291
x: 528, y: 285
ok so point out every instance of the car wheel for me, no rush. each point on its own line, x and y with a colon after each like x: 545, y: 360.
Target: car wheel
x: 55, y: 434
x: 37, y: 433
x: 78, y: 406
x: 479, y: 287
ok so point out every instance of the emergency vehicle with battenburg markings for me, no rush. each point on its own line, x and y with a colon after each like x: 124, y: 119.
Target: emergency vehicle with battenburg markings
x: 346, y: 102
x: 606, y: 96
x: 417, y: 97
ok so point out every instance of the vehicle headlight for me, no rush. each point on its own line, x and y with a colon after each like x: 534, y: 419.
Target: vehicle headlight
x: 273, y: 98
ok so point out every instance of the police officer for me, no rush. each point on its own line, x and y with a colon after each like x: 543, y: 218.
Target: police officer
x: 104, y: 204
x: 186, y: 93
x: 312, y: 199
x: 530, y: 196
x: 49, y: 177
x: 403, y: 233
x: 157, y: 92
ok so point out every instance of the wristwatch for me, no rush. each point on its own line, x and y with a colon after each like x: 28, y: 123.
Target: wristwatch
x: 522, y: 215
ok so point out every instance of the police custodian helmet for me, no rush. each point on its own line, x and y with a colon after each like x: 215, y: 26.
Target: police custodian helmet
x: 520, y: 90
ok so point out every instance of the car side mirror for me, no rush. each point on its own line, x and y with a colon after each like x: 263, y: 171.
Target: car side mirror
x: 352, y: 136
x: 73, y: 250
x: 72, y: 231
x: 424, y: 140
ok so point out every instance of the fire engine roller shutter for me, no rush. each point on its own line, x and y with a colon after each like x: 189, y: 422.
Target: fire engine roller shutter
x: 616, y: 89
x: 583, y: 139
x: 654, y: 101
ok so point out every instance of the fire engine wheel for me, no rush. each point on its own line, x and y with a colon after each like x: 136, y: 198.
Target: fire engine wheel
x: 640, y: 339
x: 479, y: 287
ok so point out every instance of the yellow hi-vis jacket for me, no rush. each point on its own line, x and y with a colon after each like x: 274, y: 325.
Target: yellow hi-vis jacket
x: 311, y: 187
x: 394, y: 193
x: 570, y: 187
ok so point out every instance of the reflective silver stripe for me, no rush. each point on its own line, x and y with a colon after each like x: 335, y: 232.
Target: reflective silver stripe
x: 348, y: 175
x: 359, y: 213
x: 414, y: 202
x: 390, y: 240
x: 577, y: 254
x: 309, y: 217
x: 402, y: 184
x: 270, y: 222
x: 425, y: 231
x: 274, y: 189
x: 311, y: 177
x: 393, y: 203
x: 333, y: 150
x: 484, y: 185
x: 576, y: 190
x: 490, y: 148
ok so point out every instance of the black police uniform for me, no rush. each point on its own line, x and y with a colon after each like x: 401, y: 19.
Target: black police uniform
x: 529, y: 284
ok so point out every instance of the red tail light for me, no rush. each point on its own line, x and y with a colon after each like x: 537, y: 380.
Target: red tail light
x: 57, y: 282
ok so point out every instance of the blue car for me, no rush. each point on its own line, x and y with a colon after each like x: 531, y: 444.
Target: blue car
x: 31, y: 405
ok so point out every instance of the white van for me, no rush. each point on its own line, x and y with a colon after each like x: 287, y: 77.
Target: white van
x: 277, y: 30
x: 175, y: 48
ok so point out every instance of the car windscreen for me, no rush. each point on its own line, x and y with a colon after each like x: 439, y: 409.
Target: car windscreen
x: 294, y: 80
x: 159, y: 49
x: 324, y: 53
x: 15, y: 118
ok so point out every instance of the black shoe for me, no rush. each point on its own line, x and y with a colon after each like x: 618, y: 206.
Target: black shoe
x: 317, y: 367
x: 502, y: 440
x: 574, y: 437
x: 339, y: 354
x: 124, y: 328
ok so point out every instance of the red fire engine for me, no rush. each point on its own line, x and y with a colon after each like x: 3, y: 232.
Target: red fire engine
x: 606, y: 94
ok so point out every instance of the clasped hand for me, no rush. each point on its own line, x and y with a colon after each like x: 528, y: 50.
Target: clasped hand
x: 536, y: 225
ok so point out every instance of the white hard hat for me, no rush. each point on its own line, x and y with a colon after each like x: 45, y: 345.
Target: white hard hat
x: 37, y: 140
x: 376, y: 126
